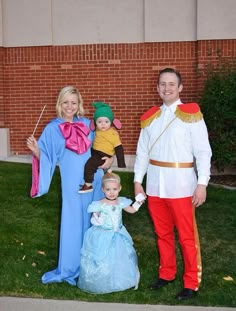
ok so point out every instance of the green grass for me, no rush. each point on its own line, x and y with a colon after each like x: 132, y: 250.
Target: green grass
x: 29, y: 240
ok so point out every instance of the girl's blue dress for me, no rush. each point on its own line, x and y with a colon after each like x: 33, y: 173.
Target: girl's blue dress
x: 108, y: 259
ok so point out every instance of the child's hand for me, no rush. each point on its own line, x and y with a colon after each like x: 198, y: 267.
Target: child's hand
x: 96, y: 220
x: 139, y: 199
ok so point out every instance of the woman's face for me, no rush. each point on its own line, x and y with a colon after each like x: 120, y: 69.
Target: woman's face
x: 69, y: 107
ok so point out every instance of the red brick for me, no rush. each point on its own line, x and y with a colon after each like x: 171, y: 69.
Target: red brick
x: 123, y: 75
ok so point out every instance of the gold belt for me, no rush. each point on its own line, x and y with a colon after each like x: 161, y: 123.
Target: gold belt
x: 171, y: 164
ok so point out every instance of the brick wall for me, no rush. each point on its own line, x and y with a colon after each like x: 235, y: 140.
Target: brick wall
x: 123, y: 75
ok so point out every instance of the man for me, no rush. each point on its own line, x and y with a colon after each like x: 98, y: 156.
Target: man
x: 173, y: 146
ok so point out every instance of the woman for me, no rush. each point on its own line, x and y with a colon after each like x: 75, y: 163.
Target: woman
x: 66, y: 141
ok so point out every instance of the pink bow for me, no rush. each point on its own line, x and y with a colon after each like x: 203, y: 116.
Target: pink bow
x: 75, y: 135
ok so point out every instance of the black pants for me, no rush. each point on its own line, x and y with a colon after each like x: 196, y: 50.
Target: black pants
x: 93, y: 163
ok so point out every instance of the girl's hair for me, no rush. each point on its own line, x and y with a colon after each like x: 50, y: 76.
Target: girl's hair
x: 110, y: 177
x: 65, y: 91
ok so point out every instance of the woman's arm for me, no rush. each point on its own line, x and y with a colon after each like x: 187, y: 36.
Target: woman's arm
x: 108, y: 163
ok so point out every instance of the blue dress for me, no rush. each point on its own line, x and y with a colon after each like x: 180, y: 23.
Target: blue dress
x: 108, y: 259
x: 75, y: 219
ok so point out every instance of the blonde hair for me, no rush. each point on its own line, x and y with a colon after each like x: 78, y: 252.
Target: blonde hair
x: 109, y: 176
x: 65, y: 91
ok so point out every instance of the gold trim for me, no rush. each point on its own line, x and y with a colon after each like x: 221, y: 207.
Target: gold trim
x: 145, y: 123
x: 171, y: 164
x: 188, y: 117
x: 197, y: 243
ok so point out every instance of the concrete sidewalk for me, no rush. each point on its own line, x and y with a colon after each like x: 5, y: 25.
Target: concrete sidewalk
x: 28, y: 304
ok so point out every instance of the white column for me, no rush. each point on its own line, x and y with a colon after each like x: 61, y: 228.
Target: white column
x: 4, y: 142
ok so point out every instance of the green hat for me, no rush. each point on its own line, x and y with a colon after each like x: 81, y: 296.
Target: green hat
x: 102, y: 110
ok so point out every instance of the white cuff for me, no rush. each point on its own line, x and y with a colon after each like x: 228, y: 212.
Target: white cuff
x: 136, y: 205
x: 203, y: 180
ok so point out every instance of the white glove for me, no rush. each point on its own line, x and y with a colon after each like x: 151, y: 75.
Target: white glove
x: 139, y: 199
x: 97, y: 220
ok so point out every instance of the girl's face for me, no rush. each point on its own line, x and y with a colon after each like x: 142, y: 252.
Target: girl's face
x: 111, y: 189
x: 69, y: 107
x: 103, y: 123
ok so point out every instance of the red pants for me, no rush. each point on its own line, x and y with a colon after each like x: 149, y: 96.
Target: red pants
x: 167, y: 214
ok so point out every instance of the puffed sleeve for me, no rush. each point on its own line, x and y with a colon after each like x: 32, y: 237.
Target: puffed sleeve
x: 125, y: 202
x: 95, y: 206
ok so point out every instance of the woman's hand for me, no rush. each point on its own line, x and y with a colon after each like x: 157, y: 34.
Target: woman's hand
x: 107, y: 164
x: 33, y: 146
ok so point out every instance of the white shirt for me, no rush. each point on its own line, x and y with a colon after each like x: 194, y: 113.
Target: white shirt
x: 180, y: 142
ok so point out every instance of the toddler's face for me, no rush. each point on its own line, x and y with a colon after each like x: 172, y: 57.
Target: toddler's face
x: 103, y: 123
x: 111, y: 189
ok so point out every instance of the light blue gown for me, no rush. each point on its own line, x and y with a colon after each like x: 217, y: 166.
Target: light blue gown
x: 75, y: 219
x: 108, y: 259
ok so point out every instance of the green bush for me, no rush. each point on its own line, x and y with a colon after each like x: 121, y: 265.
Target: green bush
x: 218, y: 103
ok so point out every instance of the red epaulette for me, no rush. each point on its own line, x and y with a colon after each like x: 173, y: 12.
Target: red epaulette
x: 149, y: 116
x: 189, y: 112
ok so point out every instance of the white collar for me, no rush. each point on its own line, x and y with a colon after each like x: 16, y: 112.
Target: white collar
x: 173, y: 106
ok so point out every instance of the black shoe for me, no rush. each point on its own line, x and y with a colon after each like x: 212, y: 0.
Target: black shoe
x: 186, y: 293
x: 159, y: 284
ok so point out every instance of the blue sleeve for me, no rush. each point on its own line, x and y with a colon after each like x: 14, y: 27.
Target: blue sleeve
x: 95, y: 206
x: 48, y: 159
x: 125, y: 202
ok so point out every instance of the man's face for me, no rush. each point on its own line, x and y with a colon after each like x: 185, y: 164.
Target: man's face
x: 169, y: 88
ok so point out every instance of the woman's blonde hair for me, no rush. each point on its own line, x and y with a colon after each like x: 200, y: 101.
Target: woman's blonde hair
x: 109, y: 176
x: 65, y: 91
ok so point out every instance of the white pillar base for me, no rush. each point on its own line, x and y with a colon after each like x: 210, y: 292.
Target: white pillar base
x: 4, y: 142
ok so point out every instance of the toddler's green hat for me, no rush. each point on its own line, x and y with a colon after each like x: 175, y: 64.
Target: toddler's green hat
x: 102, y: 110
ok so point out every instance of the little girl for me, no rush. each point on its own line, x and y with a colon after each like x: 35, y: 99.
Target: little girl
x: 108, y: 259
